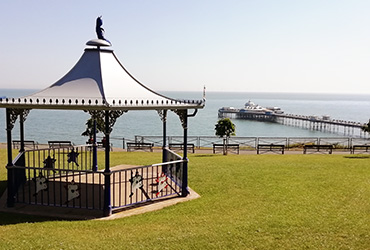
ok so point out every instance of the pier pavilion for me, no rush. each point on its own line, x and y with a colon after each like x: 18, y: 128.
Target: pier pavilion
x: 69, y: 176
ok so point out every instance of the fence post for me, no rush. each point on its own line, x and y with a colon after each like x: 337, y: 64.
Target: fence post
x: 287, y: 143
x: 164, y: 145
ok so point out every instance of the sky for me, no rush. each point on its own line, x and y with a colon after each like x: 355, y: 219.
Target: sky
x: 311, y: 46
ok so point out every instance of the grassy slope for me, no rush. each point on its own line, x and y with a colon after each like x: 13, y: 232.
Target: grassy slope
x: 248, y: 201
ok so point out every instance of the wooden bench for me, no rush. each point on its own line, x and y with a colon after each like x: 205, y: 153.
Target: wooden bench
x: 180, y: 146
x: 220, y: 147
x: 270, y: 148
x: 317, y: 148
x: 99, y: 144
x: 27, y: 144
x: 139, y: 146
x: 363, y: 148
x: 60, y: 144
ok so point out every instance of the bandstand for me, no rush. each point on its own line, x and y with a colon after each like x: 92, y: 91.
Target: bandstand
x: 69, y: 177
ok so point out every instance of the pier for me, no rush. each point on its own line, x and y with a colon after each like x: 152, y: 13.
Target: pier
x: 324, y: 123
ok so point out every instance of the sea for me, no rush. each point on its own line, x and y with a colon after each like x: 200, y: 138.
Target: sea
x: 47, y: 125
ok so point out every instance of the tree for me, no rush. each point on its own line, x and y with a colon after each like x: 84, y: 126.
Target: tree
x: 90, y: 128
x: 366, y: 127
x: 224, y: 129
x: 99, y: 117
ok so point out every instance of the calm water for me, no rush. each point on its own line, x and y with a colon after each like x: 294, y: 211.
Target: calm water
x: 44, y: 125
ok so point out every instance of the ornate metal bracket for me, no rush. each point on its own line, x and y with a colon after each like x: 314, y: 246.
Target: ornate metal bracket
x: 14, y: 113
x: 182, y: 113
x: 99, y: 116
x: 163, y: 115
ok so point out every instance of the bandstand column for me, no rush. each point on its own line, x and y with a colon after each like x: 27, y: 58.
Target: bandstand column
x: 183, y: 115
x: 21, y: 127
x: 185, y: 191
x: 20, y: 173
x: 96, y: 116
x: 9, y: 166
x: 95, y: 148
x: 107, y: 172
x: 163, y: 116
x: 9, y: 127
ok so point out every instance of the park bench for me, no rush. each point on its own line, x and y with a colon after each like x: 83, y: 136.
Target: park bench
x: 60, y: 144
x: 270, y: 148
x: 99, y: 144
x: 363, y: 148
x: 180, y: 146
x: 220, y: 147
x: 139, y: 146
x: 27, y: 144
x: 317, y: 148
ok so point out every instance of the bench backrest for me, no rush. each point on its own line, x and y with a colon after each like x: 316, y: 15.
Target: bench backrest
x: 53, y: 144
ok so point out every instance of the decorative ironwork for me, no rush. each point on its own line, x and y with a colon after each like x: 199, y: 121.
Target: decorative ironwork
x: 162, y: 183
x: 14, y: 113
x: 163, y: 115
x: 99, y: 116
x: 182, y: 113
x: 137, y: 183
x: 72, y: 156
x: 49, y: 163
x: 72, y: 191
x: 24, y: 114
x: 41, y: 183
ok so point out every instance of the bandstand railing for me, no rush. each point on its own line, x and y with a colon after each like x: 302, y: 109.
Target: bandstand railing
x: 60, y: 177
x: 136, y: 185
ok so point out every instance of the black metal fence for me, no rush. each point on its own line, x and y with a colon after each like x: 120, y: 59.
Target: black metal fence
x: 131, y: 186
x: 251, y: 143
x: 63, y: 177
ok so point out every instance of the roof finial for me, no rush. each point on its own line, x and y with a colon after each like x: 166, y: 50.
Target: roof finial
x: 100, y: 30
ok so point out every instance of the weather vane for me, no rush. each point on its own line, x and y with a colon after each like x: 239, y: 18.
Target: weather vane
x: 100, y: 30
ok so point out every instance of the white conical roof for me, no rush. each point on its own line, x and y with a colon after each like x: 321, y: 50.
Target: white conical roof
x: 99, y: 81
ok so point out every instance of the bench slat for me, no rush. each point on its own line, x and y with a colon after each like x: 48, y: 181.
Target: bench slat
x: 27, y: 143
x: 139, y: 146
x: 327, y: 147
x: 270, y: 148
x: 190, y: 146
x: 60, y: 144
x: 360, y: 148
x: 230, y: 146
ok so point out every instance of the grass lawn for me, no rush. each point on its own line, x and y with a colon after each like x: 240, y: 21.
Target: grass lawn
x: 247, y: 202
